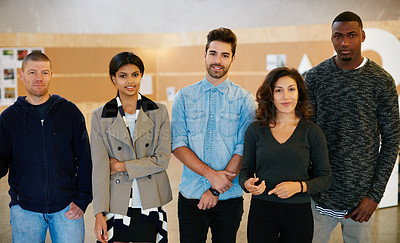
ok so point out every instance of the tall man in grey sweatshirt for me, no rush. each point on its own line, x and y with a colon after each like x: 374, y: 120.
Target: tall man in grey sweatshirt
x: 355, y: 104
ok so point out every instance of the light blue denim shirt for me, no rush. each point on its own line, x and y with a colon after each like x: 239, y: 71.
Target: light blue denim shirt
x: 211, y: 121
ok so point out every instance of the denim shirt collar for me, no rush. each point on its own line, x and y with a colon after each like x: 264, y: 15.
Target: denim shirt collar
x: 222, y: 87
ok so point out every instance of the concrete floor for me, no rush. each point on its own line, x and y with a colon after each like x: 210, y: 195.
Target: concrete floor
x: 385, y: 229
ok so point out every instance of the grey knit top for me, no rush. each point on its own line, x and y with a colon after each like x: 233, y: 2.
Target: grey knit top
x: 357, y: 110
x: 276, y: 162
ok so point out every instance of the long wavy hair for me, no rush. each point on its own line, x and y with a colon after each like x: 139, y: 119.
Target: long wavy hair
x: 266, y: 110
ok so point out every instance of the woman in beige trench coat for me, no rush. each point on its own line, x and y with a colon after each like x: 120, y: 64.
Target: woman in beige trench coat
x: 131, y: 148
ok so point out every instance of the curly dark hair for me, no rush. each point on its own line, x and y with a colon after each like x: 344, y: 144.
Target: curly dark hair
x: 266, y: 110
x: 222, y: 34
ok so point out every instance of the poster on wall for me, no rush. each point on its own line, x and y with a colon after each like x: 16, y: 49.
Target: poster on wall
x: 10, y: 63
x: 7, y: 56
x: 275, y: 61
x: 146, y: 85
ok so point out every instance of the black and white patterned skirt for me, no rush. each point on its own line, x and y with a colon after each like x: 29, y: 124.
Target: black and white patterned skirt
x: 156, y: 216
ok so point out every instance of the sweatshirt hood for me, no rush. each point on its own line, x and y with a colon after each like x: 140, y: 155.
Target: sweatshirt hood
x: 21, y: 100
x: 21, y: 103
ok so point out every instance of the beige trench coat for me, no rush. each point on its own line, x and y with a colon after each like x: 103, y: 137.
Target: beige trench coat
x: 146, y: 157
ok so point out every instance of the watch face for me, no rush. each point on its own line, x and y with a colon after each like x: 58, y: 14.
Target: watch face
x: 214, y: 192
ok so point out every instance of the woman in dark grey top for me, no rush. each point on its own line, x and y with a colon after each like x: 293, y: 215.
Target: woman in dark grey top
x: 279, y: 148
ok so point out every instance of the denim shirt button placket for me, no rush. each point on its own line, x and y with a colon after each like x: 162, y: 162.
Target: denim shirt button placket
x: 210, y: 126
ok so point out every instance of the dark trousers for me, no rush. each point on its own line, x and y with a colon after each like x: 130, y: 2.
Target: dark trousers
x: 224, y: 220
x: 279, y: 222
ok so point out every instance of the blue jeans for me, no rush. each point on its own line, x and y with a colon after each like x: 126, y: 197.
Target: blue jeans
x: 28, y: 226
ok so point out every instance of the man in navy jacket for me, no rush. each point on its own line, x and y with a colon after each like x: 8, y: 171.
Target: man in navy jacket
x: 45, y: 147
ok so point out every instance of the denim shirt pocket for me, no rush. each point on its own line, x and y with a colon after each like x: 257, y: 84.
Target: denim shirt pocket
x: 195, y: 121
x: 228, y: 123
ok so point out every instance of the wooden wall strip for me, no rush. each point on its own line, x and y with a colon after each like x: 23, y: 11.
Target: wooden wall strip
x: 252, y: 35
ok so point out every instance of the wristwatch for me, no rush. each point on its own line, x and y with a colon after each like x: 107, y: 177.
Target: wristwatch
x: 214, y: 192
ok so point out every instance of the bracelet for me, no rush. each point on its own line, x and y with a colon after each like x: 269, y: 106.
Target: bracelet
x: 214, y: 192
x: 301, y: 184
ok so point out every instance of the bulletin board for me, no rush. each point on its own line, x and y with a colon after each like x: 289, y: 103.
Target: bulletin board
x: 10, y: 61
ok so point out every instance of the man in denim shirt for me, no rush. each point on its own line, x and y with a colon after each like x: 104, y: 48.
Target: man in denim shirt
x: 209, y: 119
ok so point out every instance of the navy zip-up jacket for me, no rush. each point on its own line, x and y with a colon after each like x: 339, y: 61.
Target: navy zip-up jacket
x: 49, y: 162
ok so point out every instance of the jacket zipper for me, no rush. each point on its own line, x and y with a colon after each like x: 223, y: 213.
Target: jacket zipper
x: 46, y: 167
x: 45, y: 158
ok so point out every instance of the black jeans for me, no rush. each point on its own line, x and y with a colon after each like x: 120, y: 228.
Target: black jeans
x: 224, y: 220
x: 279, y: 222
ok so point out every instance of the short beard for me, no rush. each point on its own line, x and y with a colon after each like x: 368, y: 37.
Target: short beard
x: 214, y: 75
x: 346, y: 59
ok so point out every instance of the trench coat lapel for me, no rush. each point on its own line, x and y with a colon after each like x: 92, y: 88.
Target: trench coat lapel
x: 143, y: 125
x: 119, y: 131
